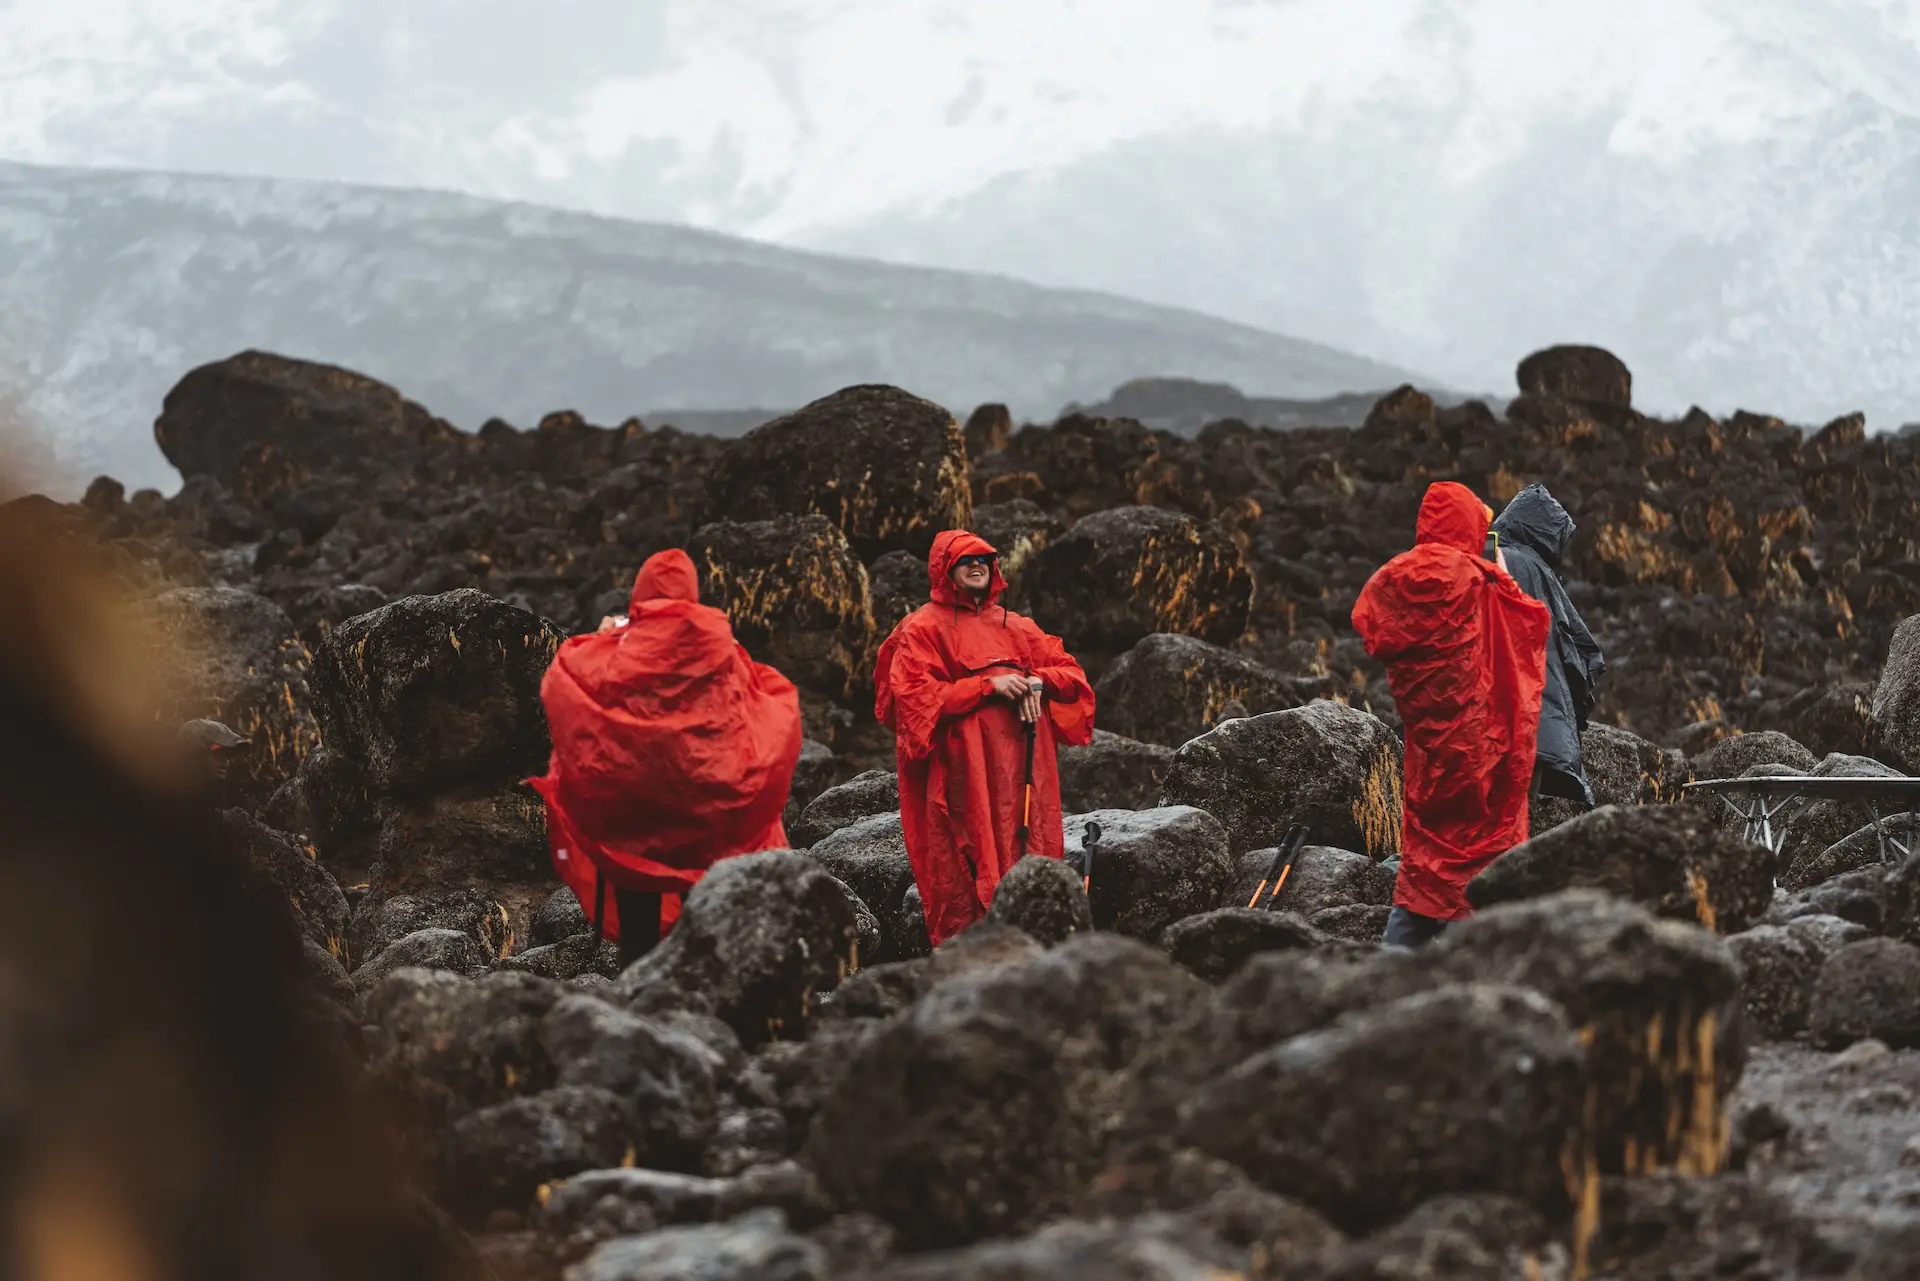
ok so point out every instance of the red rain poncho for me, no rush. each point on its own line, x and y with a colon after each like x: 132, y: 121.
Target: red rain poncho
x: 962, y: 753
x: 671, y: 747
x: 1465, y: 651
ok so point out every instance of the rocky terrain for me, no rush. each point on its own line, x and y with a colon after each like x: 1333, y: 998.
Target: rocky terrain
x: 1653, y: 1053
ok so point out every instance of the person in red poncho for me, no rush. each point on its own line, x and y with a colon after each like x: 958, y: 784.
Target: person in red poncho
x: 671, y: 749
x: 961, y: 683
x: 1465, y: 651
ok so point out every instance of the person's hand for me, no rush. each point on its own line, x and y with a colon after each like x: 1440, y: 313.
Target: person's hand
x: 1011, y: 686
x: 1031, y: 701
x: 609, y: 624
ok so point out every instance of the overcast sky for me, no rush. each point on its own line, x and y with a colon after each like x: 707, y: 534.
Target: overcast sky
x: 1720, y: 188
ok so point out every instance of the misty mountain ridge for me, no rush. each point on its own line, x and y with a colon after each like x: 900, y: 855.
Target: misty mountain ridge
x: 117, y: 283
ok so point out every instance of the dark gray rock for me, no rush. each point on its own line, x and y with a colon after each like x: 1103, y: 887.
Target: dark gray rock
x: 1322, y: 878
x: 311, y: 892
x: 1900, y: 898
x: 758, y: 938
x: 560, y: 917
x: 1581, y: 375
x: 757, y: 1247
x: 1015, y: 1057
x: 1154, y: 1249
x: 816, y: 770
x: 1823, y: 824
x: 483, y: 839
x: 1732, y: 757
x: 581, y: 956
x: 870, y: 856
x: 1122, y: 574
x: 498, y: 1156
x: 1896, y: 698
x: 1044, y: 898
x: 870, y: 938
x: 1334, y: 768
x: 1777, y: 972
x: 1851, y: 853
x: 897, y: 584
x: 1355, y: 922
x: 1487, y: 1084
x: 662, y: 1075
x: 1868, y: 989
x: 433, y: 692
x: 1019, y: 530
x: 1112, y: 773
x: 1151, y: 867
x: 1215, y: 944
x: 862, y: 796
x: 1826, y: 934
x: 451, y: 950
x: 1672, y: 858
x: 1854, y: 897
x: 1170, y: 688
x: 795, y: 593
x: 379, y: 921
x: 887, y: 468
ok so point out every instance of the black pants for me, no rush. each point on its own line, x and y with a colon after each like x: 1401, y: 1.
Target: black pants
x: 1410, y: 929
x: 639, y: 924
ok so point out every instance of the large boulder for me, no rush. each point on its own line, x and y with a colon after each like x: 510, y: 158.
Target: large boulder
x: 1155, y: 1248
x: 897, y: 585
x: 1868, y: 989
x: 1019, y: 530
x: 1675, y: 859
x: 979, y: 1111
x: 454, y: 951
x: 756, y: 1247
x: 1626, y: 769
x: 433, y: 692
x: 796, y: 594
x: 490, y: 840
x: 266, y: 425
x: 1778, y: 966
x: 870, y: 856
x: 1896, y: 699
x: 1123, y: 574
x: 1170, y: 688
x: 862, y: 796
x: 1215, y: 944
x: 758, y: 938
x: 1112, y: 773
x: 311, y: 892
x: 1582, y: 375
x: 1332, y: 767
x: 1463, y: 1089
x: 1820, y: 825
x: 1732, y: 757
x: 1852, y: 853
x: 885, y: 467
x: 233, y: 657
x: 1151, y: 867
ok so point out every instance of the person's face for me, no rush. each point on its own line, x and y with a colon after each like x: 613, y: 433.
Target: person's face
x: 973, y: 573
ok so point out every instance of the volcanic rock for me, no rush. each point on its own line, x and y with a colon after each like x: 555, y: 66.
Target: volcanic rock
x: 896, y: 585
x: 1868, y: 989
x: 1820, y: 825
x: 1112, y: 773
x: 870, y: 856
x: 862, y: 796
x: 1322, y: 878
x: 1019, y: 530
x: 1333, y: 768
x: 757, y: 938
x: 663, y: 1076
x: 433, y: 692
x: 1151, y: 867
x: 1215, y: 944
x: 1854, y: 897
x: 493, y: 841
x: 1777, y: 971
x: 1043, y: 897
x: 1733, y: 757
x: 1170, y: 688
x: 887, y: 468
x: 1591, y: 375
x: 817, y: 770
x: 455, y: 951
x: 1153, y: 1249
x: 1487, y: 1083
x: 310, y: 890
x: 498, y: 1156
x: 757, y: 1247
x: 326, y: 799
x: 1626, y: 769
x: 1900, y: 898
x: 560, y: 917
x: 1850, y: 854
x: 796, y: 595
x: 1459, y: 1238
x: 1016, y: 1058
x: 232, y: 656
x: 266, y: 425
x: 1674, y: 859
x: 1353, y: 922
x: 1123, y: 574
x: 1896, y: 699
x: 1831, y: 720
x: 380, y: 920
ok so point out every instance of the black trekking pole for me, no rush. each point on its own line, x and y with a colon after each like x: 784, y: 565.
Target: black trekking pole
x: 1088, y: 842
x: 1282, y: 865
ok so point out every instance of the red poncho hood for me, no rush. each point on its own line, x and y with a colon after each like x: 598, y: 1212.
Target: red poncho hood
x: 1465, y: 651
x: 671, y: 747
x: 948, y: 547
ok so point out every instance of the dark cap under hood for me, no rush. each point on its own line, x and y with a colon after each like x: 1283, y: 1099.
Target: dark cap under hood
x: 1536, y: 520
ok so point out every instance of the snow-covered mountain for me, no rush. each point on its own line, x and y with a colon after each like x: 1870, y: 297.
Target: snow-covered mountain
x: 1721, y: 190
x: 112, y: 285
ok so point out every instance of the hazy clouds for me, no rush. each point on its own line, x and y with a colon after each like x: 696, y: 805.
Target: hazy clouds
x: 1721, y: 190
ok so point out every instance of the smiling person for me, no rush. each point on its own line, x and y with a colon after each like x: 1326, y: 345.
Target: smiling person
x: 978, y: 699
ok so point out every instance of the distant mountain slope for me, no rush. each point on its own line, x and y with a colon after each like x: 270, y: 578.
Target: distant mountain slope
x: 113, y: 284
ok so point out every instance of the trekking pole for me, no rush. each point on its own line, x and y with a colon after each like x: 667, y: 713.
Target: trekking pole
x: 1087, y: 842
x: 1282, y: 865
x: 1026, y: 800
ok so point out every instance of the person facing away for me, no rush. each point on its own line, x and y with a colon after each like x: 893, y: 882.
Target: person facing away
x: 973, y: 693
x: 1531, y: 537
x: 1465, y: 652
x: 672, y: 749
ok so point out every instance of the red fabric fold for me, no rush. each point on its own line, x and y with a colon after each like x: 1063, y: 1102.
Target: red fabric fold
x: 672, y: 748
x: 1465, y: 652
x: 961, y: 753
